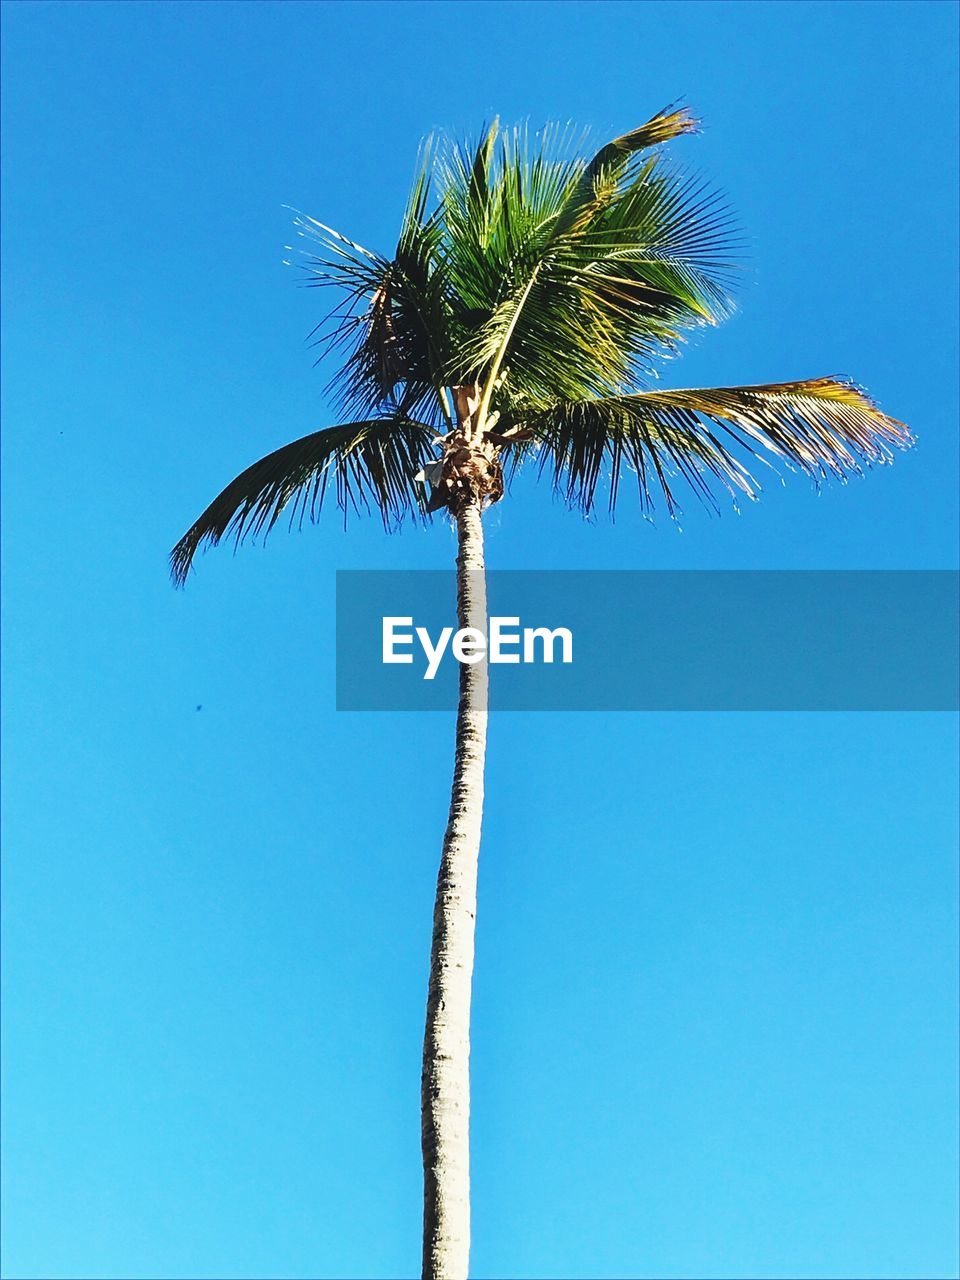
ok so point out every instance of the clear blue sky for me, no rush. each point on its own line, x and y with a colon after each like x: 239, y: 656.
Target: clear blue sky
x: 715, y: 999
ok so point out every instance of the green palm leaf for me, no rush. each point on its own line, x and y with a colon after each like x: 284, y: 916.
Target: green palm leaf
x: 598, y: 184
x: 392, y: 317
x: 568, y: 277
x: 372, y: 463
x: 824, y: 427
x: 585, y: 272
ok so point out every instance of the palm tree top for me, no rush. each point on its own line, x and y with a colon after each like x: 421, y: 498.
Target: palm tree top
x: 529, y: 296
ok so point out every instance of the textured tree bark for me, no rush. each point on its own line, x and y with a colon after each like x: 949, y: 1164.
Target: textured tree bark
x: 445, y: 1082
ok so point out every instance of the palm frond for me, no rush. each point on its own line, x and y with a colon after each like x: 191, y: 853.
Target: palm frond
x: 390, y: 323
x: 519, y: 260
x: 373, y: 463
x: 824, y: 427
x: 585, y: 273
x: 599, y: 182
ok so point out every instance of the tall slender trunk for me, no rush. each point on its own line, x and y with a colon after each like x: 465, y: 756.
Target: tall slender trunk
x: 445, y: 1082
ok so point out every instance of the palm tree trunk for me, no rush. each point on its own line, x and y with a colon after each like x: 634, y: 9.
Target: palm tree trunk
x: 445, y: 1082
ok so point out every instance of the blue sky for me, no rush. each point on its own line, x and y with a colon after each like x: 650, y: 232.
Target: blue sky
x: 715, y: 998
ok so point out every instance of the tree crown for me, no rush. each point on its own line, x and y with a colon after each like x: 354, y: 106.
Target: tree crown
x: 545, y: 286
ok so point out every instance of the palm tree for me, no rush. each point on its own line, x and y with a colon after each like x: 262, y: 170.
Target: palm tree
x: 518, y: 319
